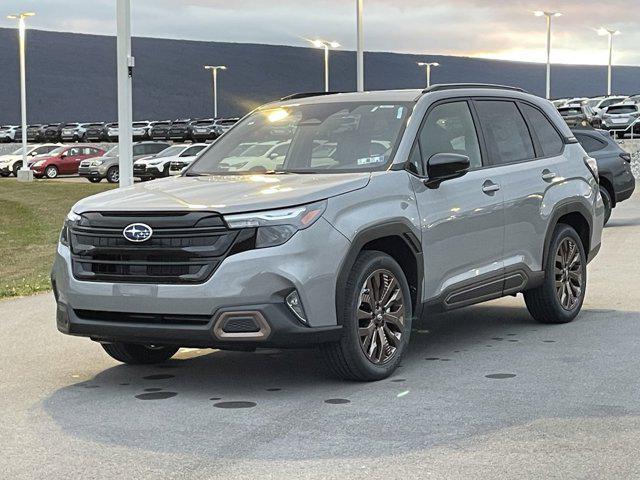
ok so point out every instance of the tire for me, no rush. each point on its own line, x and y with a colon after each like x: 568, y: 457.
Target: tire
x: 545, y: 303
x: 606, y: 199
x: 16, y: 166
x: 347, y: 358
x: 94, y: 179
x: 113, y: 175
x: 4, y: 174
x: 51, y: 171
x: 165, y: 171
x: 136, y: 354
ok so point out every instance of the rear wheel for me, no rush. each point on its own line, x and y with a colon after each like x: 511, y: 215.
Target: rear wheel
x: 113, y: 175
x: 559, y: 299
x: 376, y: 320
x: 136, y: 354
x: 606, y: 199
x: 51, y: 171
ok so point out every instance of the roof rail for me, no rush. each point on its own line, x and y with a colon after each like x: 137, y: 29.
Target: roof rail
x: 306, y: 94
x: 459, y: 86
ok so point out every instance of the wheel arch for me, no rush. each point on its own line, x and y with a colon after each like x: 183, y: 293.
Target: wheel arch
x: 608, y: 185
x: 397, y: 239
x: 576, y: 215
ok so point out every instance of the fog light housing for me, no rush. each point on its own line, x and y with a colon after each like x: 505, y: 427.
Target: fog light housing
x: 295, y: 305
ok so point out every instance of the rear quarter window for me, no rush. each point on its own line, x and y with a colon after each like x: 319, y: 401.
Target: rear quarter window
x: 589, y: 143
x: 548, y: 137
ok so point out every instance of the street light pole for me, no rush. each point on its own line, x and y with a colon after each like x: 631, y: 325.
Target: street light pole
x: 214, y: 85
x: 428, y: 66
x: 326, y: 46
x: 549, y: 16
x: 360, y: 47
x: 24, y: 174
x: 125, y: 64
x: 611, y: 33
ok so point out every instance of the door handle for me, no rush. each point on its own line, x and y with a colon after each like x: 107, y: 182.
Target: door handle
x: 489, y: 187
x: 548, y: 175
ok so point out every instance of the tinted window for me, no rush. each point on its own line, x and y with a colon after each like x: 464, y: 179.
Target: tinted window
x: 154, y: 148
x: 618, y: 109
x: 191, y: 151
x: 449, y: 128
x: 549, y: 138
x: 589, y: 143
x: 506, y: 133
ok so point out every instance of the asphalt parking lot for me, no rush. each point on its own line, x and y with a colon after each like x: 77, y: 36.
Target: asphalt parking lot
x: 483, y: 393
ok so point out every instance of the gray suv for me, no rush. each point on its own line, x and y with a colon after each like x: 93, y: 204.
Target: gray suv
x: 377, y: 209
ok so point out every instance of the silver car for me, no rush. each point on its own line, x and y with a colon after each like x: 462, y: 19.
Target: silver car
x: 384, y: 207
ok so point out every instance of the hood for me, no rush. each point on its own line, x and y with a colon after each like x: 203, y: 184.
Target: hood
x: 146, y: 160
x: 224, y: 193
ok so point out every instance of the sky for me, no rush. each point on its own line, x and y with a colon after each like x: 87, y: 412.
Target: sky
x: 502, y: 29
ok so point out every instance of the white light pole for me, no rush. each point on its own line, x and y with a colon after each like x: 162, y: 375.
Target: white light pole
x: 428, y: 66
x: 611, y: 33
x: 125, y: 64
x: 326, y: 46
x: 214, y: 75
x: 360, y: 47
x: 549, y: 16
x: 24, y: 174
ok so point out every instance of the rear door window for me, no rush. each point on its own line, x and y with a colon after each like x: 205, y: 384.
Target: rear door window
x: 505, y: 131
x: 548, y: 137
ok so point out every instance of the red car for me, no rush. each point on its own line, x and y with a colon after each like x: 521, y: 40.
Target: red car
x: 63, y: 160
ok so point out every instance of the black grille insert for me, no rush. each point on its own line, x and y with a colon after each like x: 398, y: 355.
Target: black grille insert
x: 147, y: 318
x: 184, y: 248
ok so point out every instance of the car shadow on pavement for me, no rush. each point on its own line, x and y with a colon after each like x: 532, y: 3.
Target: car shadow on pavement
x: 453, y: 367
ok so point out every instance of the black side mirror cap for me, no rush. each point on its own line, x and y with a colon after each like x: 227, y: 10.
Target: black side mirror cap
x: 445, y: 166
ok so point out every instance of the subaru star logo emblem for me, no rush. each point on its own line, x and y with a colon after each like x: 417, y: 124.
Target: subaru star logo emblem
x: 137, y: 232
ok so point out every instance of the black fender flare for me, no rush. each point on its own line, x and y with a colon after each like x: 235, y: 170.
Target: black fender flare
x: 560, y: 210
x: 398, y: 227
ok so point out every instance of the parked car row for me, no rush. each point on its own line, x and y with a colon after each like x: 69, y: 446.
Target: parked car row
x: 618, y: 114
x: 182, y: 130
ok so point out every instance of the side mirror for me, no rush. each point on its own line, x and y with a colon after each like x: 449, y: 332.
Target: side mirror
x: 445, y: 166
x: 273, y: 155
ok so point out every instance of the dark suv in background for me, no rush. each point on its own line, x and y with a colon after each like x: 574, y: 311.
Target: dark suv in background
x: 160, y: 130
x: 617, y: 182
x: 93, y: 132
x: 179, y: 130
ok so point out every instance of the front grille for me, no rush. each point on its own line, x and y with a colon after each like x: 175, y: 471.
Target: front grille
x: 146, y: 318
x: 184, y: 248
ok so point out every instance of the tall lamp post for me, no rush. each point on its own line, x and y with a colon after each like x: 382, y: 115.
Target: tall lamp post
x: 610, y: 33
x: 428, y: 66
x: 24, y: 174
x: 124, y: 64
x: 214, y: 76
x: 326, y: 46
x: 359, y: 47
x: 549, y: 16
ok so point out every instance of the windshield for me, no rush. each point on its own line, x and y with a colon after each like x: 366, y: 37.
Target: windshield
x: 55, y: 151
x: 171, y: 151
x: 19, y: 151
x: 331, y: 137
x: 112, y: 152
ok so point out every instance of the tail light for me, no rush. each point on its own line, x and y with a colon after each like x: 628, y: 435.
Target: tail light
x: 626, y: 157
x: 592, y: 165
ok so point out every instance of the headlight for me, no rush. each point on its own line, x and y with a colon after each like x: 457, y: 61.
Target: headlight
x: 39, y: 163
x: 96, y: 163
x: 275, y: 227
x: 156, y: 162
x: 71, y: 219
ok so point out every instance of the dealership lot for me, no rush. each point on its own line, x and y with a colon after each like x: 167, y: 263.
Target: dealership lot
x: 482, y: 390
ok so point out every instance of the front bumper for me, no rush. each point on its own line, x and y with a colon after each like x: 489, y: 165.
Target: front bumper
x: 147, y: 171
x: 91, y: 172
x: 254, y: 280
x: 5, y: 170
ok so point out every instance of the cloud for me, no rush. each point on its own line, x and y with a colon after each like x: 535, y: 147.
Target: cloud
x: 488, y: 28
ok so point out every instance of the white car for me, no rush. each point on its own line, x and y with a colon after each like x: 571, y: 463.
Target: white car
x: 159, y: 165
x: 140, y: 130
x: 12, y: 162
x: 112, y: 132
x: 73, y: 132
x: 605, y: 102
x: 8, y: 133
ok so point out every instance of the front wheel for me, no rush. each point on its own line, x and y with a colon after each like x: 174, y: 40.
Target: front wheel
x: 136, y: 354
x: 113, y: 175
x: 94, y: 179
x: 559, y: 299
x: 51, y: 171
x: 375, y: 318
